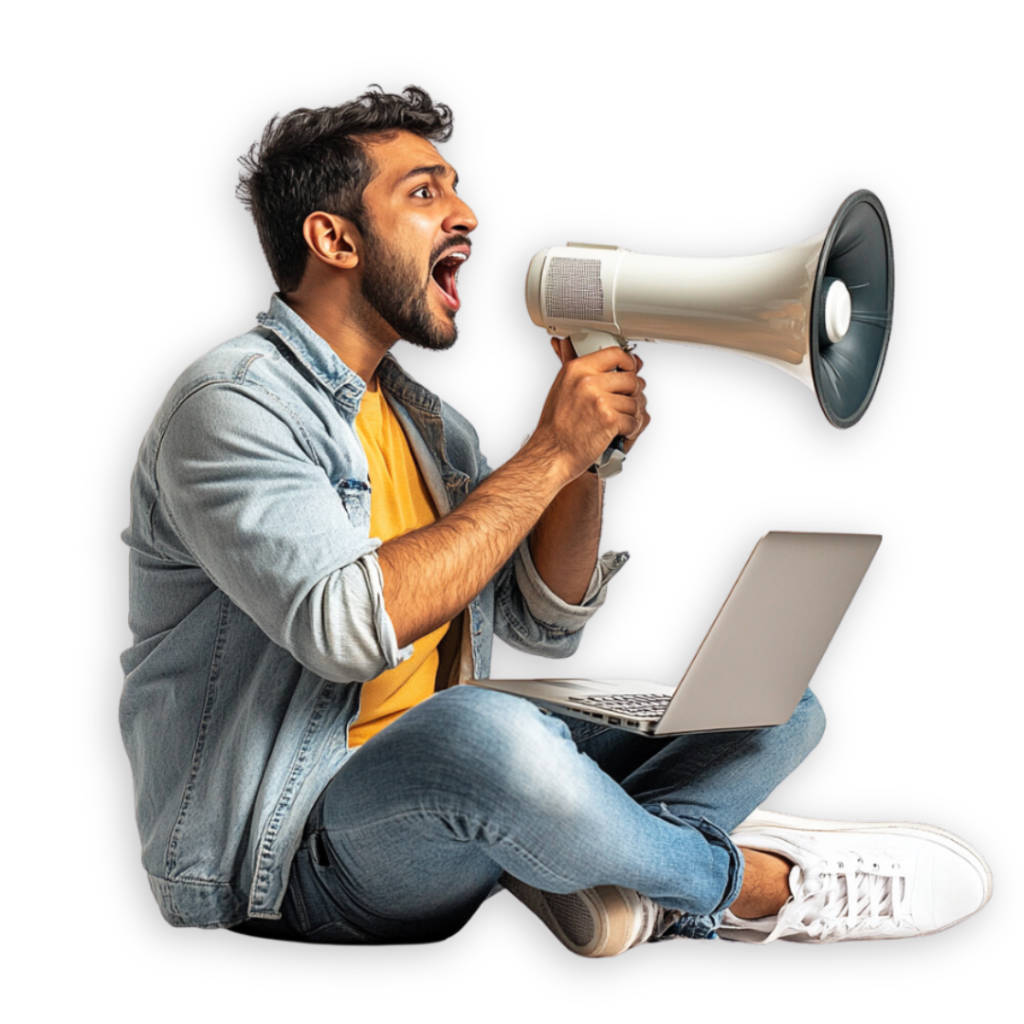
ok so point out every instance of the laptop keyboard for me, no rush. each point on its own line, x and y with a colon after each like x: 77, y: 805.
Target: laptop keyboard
x: 649, y: 706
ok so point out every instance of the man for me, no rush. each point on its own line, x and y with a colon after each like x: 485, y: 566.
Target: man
x: 320, y: 553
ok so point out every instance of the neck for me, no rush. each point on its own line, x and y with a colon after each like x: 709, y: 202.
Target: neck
x: 357, y: 334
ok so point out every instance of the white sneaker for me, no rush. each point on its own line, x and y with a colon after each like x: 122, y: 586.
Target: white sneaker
x: 603, y: 921
x: 862, y: 880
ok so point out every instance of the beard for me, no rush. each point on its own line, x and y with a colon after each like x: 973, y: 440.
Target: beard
x: 393, y: 287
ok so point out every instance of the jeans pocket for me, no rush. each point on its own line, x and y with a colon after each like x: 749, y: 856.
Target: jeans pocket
x: 313, y: 906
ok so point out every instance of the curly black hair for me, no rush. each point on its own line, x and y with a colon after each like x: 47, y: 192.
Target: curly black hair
x: 312, y: 160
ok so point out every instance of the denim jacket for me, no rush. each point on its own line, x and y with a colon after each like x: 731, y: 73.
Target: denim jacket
x: 257, y: 606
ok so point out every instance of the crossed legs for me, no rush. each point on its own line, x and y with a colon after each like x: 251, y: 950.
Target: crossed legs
x: 415, y: 830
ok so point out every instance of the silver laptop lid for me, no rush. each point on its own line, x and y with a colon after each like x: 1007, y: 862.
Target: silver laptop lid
x: 771, y: 632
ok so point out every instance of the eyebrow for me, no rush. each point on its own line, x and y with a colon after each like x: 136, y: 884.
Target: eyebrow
x: 435, y: 170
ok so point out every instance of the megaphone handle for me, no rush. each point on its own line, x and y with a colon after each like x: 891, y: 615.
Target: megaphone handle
x: 583, y: 343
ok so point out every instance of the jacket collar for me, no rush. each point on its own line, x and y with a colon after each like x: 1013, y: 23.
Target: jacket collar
x: 313, y: 353
x: 324, y: 364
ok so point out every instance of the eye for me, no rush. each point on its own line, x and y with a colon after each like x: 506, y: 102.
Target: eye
x: 423, y: 192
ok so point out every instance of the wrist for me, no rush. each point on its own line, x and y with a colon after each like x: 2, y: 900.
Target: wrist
x: 548, y: 464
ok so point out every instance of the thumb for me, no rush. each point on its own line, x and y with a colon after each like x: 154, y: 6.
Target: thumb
x: 563, y: 349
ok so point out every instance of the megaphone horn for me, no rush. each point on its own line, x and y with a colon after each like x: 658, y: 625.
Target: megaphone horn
x: 820, y: 310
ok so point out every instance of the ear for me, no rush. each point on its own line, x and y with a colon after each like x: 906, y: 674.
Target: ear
x: 333, y: 240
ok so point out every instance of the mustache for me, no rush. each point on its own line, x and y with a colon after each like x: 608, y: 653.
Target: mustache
x: 449, y: 243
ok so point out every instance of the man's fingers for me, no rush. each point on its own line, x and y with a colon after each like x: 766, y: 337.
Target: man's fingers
x: 601, y: 361
x: 617, y: 383
x: 631, y: 412
x: 634, y: 422
x: 621, y: 395
x: 605, y: 360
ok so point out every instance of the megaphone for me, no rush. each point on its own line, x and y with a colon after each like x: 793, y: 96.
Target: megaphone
x: 820, y: 310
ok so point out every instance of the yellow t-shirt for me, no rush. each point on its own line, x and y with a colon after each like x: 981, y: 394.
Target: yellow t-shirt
x: 399, y: 502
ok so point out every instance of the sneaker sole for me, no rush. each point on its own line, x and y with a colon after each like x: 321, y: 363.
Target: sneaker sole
x: 771, y: 819
x: 595, y: 922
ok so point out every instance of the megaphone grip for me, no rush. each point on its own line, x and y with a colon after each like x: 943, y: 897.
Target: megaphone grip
x: 583, y: 343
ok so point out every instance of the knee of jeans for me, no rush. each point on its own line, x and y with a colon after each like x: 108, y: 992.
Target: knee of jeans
x: 810, y: 717
x: 469, y: 718
x: 473, y: 708
x: 785, y: 746
x: 487, y: 736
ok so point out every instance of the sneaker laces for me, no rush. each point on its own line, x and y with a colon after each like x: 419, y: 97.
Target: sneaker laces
x: 839, y: 899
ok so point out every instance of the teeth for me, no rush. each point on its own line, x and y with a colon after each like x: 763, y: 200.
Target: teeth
x: 456, y: 257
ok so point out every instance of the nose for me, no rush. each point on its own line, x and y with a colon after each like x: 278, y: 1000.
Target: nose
x: 460, y: 219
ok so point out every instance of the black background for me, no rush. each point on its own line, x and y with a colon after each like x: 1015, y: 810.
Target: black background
x: 662, y: 162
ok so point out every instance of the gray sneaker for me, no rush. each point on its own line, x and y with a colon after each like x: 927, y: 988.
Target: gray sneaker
x: 603, y: 921
x: 862, y: 880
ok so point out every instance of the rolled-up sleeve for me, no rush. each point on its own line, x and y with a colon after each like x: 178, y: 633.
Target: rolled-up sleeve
x: 531, y: 616
x: 241, y: 487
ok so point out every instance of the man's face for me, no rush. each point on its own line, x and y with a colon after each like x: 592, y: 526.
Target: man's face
x: 416, y: 239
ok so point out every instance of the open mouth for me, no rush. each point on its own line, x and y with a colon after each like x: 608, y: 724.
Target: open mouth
x: 445, y: 273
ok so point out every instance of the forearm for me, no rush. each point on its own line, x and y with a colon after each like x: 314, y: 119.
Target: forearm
x: 431, y: 574
x: 564, y: 543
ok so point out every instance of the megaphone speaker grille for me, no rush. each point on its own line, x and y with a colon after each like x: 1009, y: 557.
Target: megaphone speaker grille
x: 858, y: 252
x: 573, y: 290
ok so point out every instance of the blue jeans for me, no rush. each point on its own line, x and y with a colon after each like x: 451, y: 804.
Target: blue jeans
x: 415, y: 830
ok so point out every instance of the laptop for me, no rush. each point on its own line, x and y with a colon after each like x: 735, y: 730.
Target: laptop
x: 757, y: 658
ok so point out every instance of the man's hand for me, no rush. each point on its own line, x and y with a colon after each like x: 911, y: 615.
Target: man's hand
x: 564, y: 352
x: 590, y: 404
